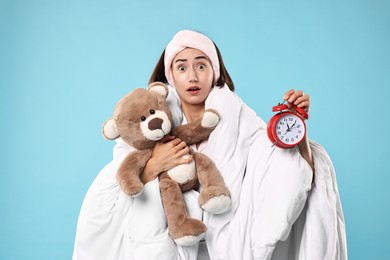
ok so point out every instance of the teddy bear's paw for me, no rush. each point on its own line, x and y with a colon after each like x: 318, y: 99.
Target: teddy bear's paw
x: 189, y: 240
x: 133, y: 190
x: 217, y: 205
x: 134, y: 195
x: 187, y: 231
x: 210, y: 118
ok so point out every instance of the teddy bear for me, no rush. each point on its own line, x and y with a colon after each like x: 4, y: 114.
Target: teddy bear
x: 141, y: 118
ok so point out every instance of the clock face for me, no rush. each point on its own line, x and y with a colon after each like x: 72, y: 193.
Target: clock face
x: 290, y: 129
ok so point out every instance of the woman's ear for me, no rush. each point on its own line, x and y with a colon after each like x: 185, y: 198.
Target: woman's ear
x: 159, y: 87
x: 109, y: 129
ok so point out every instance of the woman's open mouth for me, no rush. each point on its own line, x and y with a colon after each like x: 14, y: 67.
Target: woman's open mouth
x: 193, y: 90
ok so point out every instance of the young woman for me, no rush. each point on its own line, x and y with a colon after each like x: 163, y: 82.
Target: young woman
x: 280, y: 209
x: 192, y: 74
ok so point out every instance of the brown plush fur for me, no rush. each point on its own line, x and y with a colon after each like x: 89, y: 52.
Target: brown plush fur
x: 179, y: 223
x: 210, y: 179
x: 130, y: 169
x: 129, y: 113
x: 193, y: 133
x: 211, y: 184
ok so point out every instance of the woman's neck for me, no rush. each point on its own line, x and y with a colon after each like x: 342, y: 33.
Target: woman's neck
x: 192, y: 112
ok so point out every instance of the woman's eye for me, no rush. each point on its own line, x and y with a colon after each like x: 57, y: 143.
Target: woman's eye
x: 182, y: 68
x: 201, y: 66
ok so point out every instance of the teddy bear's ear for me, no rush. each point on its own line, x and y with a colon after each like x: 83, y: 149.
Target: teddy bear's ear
x: 159, y: 87
x: 109, y: 130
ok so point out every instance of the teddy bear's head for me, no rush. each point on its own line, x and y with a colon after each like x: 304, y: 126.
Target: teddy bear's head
x: 141, y: 118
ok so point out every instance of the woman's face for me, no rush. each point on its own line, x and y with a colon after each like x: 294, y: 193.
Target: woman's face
x: 192, y: 74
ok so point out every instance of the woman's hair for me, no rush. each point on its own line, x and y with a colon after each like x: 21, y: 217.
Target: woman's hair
x: 159, y: 72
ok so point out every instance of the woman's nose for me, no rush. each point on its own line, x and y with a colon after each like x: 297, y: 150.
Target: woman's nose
x: 193, y: 76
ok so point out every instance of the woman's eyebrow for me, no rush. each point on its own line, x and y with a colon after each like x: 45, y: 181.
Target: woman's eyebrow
x: 180, y: 60
x: 196, y: 58
x: 200, y: 57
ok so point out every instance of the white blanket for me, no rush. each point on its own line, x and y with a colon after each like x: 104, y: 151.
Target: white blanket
x: 271, y: 190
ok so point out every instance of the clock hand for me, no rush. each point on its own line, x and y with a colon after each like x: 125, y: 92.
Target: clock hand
x: 288, y: 129
x: 293, y: 124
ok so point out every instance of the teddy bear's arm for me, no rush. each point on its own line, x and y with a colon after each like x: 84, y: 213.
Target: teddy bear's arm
x: 192, y: 133
x: 197, y: 130
x: 128, y: 174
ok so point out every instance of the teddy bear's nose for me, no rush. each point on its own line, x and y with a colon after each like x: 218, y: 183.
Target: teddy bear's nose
x: 155, y: 123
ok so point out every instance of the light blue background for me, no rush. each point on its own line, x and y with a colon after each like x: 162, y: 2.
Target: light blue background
x: 64, y: 64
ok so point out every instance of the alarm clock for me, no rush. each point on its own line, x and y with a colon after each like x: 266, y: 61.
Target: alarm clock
x: 287, y: 128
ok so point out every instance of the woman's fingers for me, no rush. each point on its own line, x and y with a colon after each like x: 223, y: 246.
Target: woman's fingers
x: 300, y: 99
x: 180, y: 146
x: 181, y: 149
x: 288, y: 94
x: 182, y: 153
x: 185, y: 159
x: 294, y: 95
x: 304, y: 104
x: 171, y: 152
x: 297, y: 98
x: 167, y: 138
x: 175, y: 142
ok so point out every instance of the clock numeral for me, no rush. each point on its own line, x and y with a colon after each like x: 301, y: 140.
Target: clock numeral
x: 287, y: 140
x: 278, y: 127
x: 292, y: 139
x: 299, y: 131
x: 279, y: 133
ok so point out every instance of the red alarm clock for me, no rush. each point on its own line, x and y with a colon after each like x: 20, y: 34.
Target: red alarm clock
x: 287, y: 128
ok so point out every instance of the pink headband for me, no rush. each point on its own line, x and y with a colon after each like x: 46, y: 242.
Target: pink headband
x: 190, y: 39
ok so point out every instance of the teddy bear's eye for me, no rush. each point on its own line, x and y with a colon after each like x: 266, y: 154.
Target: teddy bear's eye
x: 152, y: 112
x: 143, y: 118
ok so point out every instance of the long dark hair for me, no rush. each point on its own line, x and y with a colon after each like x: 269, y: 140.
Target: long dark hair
x: 224, y: 78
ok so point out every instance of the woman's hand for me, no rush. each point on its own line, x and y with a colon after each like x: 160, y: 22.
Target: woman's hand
x: 299, y: 99
x: 167, y: 153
